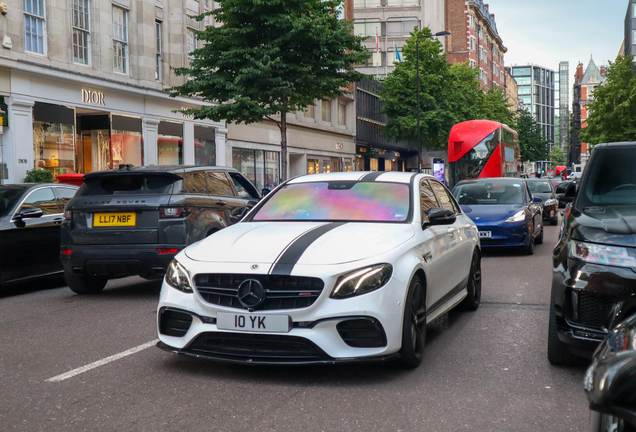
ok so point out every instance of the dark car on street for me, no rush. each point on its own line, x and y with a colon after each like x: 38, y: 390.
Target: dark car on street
x: 594, y: 261
x: 610, y: 382
x: 30, y: 218
x: 504, y: 211
x: 559, y: 191
x: 133, y: 221
x: 543, y: 189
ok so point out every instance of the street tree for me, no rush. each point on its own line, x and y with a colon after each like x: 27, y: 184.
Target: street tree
x: 531, y: 142
x: 268, y: 58
x: 557, y: 157
x: 449, y: 94
x: 612, y: 113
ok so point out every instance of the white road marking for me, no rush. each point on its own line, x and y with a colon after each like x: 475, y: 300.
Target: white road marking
x: 102, y: 362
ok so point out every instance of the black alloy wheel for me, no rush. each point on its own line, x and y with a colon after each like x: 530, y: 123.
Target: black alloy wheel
x: 529, y: 248
x: 472, y: 300
x: 414, y: 325
x: 540, y: 237
x: 83, y: 284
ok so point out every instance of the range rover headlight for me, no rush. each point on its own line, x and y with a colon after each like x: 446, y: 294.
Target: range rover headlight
x: 520, y: 216
x: 602, y: 254
x: 362, y: 281
x: 178, y: 277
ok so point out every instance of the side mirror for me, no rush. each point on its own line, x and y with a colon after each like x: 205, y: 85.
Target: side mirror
x: 570, y: 192
x: 240, y: 212
x: 29, y: 213
x: 441, y: 216
x: 265, y: 191
x: 537, y: 200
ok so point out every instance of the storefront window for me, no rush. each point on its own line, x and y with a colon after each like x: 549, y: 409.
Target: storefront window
x: 313, y: 166
x: 374, y: 164
x: 126, y: 141
x: 388, y: 166
x: 170, y: 143
x: 204, y: 146
x: 261, y: 167
x: 359, y: 163
x: 54, y: 138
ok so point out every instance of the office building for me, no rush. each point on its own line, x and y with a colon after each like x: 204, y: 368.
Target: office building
x: 562, y: 101
x: 584, y: 85
x: 629, y: 43
x: 474, y: 39
x: 536, y: 86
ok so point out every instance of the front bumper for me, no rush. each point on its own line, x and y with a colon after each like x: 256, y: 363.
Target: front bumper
x: 590, y: 299
x: 314, y: 334
x: 550, y: 212
x: 118, y: 261
x: 505, y: 234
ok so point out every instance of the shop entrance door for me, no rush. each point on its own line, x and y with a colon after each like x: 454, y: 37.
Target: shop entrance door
x: 93, y: 147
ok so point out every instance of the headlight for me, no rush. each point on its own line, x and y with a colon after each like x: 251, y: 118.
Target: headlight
x: 520, y: 216
x: 362, y: 281
x: 178, y: 277
x: 549, y: 202
x: 602, y: 254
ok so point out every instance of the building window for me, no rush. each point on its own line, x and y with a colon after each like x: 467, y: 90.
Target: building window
x: 192, y: 42
x: 391, y: 3
x: 501, y: 76
x: 523, y: 80
x: 391, y: 58
x: 81, y: 31
x: 473, y: 43
x: 170, y: 143
x: 326, y: 111
x: 369, y: 61
x: 367, y: 3
x: 260, y: 167
x: 204, y: 146
x: 34, y: 26
x: 54, y: 138
x: 309, y: 112
x: 120, y: 40
x: 634, y: 10
x: 159, y: 65
x: 473, y: 63
x: 524, y: 90
x: 521, y: 71
x: 471, y: 21
x: 401, y: 26
x: 342, y: 114
x: 367, y: 27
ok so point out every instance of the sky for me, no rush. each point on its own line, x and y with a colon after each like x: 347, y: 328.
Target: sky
x: 545, y: 32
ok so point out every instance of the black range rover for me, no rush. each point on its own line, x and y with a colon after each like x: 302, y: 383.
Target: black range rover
x: 133, y: 221
x: 594, y: 272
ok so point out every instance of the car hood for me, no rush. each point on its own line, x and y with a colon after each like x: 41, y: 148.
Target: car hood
x: 265, y: 242
x: 543, y: 196
x: 614, y: 225
x: 491, y: 212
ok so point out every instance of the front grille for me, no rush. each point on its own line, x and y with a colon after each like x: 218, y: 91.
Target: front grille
x: 174, y: 323
x: 594, y: 310
x: 362, y: 333
x: 256, y: 347
x: 281, y: 292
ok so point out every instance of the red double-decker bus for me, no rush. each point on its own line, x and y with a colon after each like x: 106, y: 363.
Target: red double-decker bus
x: 481, y: 149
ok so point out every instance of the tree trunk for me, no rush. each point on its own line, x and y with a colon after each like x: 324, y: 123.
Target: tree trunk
x: 283, y: 140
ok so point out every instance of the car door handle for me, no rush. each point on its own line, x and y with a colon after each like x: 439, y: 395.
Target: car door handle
x: 58, y: 220
x: 220, y: 203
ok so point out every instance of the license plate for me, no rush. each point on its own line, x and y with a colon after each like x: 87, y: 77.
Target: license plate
x: 252, y: 322
x: 114, y: 219
x: 485, y: 234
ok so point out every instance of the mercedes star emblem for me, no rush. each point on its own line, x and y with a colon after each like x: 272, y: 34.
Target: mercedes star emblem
x: 251, y: 293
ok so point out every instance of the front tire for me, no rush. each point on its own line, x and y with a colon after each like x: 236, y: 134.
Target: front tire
x: 558, y: 352
x: 82, y: 284
x: 529, y: 248
x: 414, y: 325
x: 472, y: 300
x: 540, y: 238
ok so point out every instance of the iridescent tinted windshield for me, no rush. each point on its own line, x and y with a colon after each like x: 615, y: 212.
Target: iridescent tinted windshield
x: 348, y: 201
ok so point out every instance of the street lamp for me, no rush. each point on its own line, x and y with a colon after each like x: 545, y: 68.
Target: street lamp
x: 417, y: 74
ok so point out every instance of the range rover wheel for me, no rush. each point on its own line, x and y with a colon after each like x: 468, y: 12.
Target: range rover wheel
x: 82, y: 284
x: 414, y: 325
x: 472, y: 300
x: 558, y: 352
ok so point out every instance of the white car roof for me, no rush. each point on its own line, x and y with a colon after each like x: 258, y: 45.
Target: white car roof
x: 391, y: 176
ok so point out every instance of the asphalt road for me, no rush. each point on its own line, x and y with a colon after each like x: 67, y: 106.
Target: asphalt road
x: 483, y: 371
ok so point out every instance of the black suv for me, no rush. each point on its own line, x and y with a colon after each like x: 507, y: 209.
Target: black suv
x: 594, y: 274
x: 133, y: 221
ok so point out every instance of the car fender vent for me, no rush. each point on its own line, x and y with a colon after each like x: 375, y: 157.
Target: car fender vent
x: 174, y: 322
x: 362, y: 333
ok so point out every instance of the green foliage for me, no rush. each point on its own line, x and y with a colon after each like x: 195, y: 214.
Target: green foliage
x: 612, y: 113
x: 270, y: 57
x: 531, y: 142
x: 37, y: 175
x: 449, y: 94
x: 557, y: 156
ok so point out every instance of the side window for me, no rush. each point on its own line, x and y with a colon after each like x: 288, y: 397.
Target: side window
x: 43, y: 199
x: 427, y: 200
x: 243, y: 186
x: 64, y: 195
x: 443, y: 196
x: 194, y: 183
x: 219, y: 184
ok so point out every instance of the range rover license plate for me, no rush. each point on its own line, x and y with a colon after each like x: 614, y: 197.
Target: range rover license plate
x: 485, y: 234
x: 252, y: 322
x: 114, y: 219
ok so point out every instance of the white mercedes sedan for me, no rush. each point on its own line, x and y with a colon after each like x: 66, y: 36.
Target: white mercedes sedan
x: 327, y: 268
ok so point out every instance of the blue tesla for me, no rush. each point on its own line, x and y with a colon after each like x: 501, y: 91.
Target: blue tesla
x: 504, y: 211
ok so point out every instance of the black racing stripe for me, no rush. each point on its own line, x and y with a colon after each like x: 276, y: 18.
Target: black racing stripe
x: 290, y: 257
x: 371, y: 176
